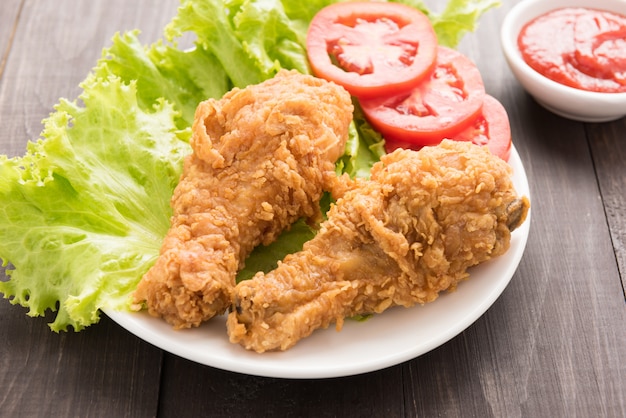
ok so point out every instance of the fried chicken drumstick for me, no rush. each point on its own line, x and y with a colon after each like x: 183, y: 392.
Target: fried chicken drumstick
x: 401, y: 238
x: 262, y: 158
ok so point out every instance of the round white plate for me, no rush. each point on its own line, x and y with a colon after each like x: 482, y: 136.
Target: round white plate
x: 397, y: 335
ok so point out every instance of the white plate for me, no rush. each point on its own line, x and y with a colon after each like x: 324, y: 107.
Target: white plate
x: 395, y: 336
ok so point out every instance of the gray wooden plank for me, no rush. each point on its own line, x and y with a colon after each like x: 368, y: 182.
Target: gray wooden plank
x: 225, y: 394
x: 9, y: 15
x: 102, y: 371
x: 608, y: 146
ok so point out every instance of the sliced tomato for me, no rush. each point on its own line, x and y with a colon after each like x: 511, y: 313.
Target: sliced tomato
x: 490, y: 128
x: 440, y: 106
x: 371, y: 48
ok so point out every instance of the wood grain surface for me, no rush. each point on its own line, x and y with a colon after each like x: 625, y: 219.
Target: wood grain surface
x: 553, y: 345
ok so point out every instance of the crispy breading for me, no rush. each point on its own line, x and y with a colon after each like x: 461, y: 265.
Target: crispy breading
x: 262, y: 158
x: 411, y: 231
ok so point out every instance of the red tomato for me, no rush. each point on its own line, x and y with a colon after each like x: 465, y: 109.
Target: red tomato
x: 440, y: 106
x: 490, y: 128
x: 371, y: 48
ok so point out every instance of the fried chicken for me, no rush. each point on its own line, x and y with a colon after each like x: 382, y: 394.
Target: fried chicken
x: 411, y: 231
x: 262, y: 158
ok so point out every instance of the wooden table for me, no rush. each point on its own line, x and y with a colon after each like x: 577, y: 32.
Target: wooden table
x: 553, y: 345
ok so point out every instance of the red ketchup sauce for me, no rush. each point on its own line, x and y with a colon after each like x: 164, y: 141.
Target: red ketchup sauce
x: 578, y: 47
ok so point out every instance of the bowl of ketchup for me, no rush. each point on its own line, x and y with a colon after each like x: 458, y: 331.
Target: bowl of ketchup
x: 570, y: 55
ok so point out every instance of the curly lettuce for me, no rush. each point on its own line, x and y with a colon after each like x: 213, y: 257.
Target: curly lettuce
x: 82, y: 214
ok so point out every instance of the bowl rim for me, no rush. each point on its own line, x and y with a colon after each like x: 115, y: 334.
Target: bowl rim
x: 526, y: 10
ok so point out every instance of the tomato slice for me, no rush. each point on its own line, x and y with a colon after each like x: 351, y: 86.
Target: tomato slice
x: 371, y: 48
x: 440, y: 106
x: 490, y: 128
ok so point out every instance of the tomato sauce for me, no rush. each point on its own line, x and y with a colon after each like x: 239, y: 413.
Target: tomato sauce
x: 578, y: 47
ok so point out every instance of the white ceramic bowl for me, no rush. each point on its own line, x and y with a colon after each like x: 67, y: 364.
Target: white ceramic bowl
x: 565, y: 101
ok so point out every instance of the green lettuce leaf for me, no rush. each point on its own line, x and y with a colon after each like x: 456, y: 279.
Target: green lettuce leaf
x: 365, y: 146
x: 84, y: 211
x: 183, y: 77
x: 252, y: 39
x: 266, y: 258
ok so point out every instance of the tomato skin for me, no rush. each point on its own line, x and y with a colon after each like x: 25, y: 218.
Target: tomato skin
x: 378, y: 59
x: 490, y: 128
x: 440, y: 106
